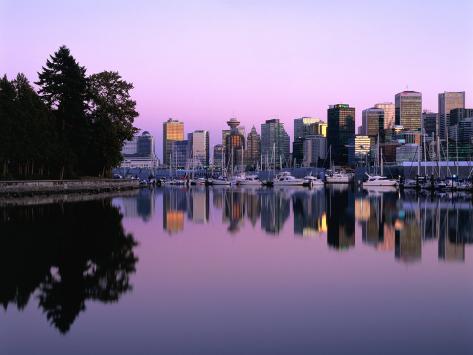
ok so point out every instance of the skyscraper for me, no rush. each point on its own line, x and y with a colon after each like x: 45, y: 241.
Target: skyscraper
x: 373, y: 122
x: 408, y: 109
x: 275, y: 142
x: 173, y: 130
x: 429, y: 123
x: 341, y: 132
x: 218, y: 156
x: 303, y: 127
x: 447, y: 102
x: 199, y: 147
x: 234, y: 145
x: 389, y: 113
x: 253, y: 148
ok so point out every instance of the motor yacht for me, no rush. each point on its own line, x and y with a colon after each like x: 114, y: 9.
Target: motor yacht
x: 377, y: 180
x: 286, y: 179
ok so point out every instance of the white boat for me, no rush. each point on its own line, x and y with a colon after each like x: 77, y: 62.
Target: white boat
x: 286, y: 179
x: 221, y: 180
x: 200, y: 181
x: 313, y: 181
x: 252, y: 180
x: 339, y: 177
x: 377, y: 180
x: 180, y: 182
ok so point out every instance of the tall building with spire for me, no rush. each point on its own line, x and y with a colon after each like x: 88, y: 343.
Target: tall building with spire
x: 234, y: 145
x: 173, y: 130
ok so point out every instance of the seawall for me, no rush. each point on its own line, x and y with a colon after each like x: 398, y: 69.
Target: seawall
x: 32, y: 187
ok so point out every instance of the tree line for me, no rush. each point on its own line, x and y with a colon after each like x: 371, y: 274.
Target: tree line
x: 73, y: 125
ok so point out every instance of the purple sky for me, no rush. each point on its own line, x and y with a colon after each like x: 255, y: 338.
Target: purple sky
x: 205, y: 61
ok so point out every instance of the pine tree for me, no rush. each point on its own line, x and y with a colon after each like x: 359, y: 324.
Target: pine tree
x: 63, y: 87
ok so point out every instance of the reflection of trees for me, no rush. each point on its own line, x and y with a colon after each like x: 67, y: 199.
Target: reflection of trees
x: 68, y: 253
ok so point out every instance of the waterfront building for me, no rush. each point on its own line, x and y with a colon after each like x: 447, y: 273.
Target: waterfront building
x: 315, y: 150
x: 253, y: 148
x: 139, y: 152
x: 218, y: 156
x: 199, y: 147
x: 389, y: 113
x: 407, y: 153
x: 373, y: 122
x: 362, y: 146
x: 448, y: 101
x: 429, y: 123
x: 179, y: 155
x: 408, y: 109
x: 275, y: 142
x: 234, y: 145
x: 173, y: 130
x: 341, y: 132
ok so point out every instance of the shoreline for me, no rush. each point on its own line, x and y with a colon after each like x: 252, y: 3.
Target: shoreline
x: 19, y: 188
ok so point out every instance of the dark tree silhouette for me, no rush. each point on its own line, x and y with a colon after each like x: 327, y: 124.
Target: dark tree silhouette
x: 49, y: 251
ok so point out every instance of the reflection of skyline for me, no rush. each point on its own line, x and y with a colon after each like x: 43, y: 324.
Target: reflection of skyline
x: 340, y: 205
x: 387, y: 222
x: 404, y: 224
x: 310, y: 219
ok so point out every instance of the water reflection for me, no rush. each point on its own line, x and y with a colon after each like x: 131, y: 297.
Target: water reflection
x: 386, y: 220
x: 63, y: 255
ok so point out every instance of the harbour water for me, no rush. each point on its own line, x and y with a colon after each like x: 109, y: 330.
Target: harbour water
x: 220, y: 270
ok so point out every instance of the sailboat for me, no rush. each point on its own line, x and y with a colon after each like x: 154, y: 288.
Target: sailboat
x: 337, y: 177
x: 379, y: 180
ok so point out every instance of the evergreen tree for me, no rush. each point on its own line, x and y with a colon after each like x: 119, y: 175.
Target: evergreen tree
x: 63, y: 86
x: 112, y: 113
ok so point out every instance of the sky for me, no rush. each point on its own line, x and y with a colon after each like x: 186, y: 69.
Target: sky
x: 205, y: 61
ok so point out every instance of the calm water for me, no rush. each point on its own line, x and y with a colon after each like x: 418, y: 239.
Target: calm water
x: 235, y: 271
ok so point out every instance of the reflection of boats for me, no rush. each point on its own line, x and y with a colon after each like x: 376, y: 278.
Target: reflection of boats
x: 379, y: 189
x: 286, y: 179
x: 377, y: 180
x: 252, y: 180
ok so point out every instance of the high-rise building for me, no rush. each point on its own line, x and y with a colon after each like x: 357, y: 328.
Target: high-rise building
x: 341, y: 132
x: 408, y: 109
x: 199, y: 147
x: 139, y: 152
x: 303, y: 127
x: 218, y: 156
x: 173, y: 130
x: 253, y: 148
x: 315, y: 150
x: 179, y: 157
x: 234, y: 145
x: 389, y: 114
x: 447, y: 102
x: 275, y: 142
x: 457, y: 114
x: 373, y: 122
x: 429, y: 123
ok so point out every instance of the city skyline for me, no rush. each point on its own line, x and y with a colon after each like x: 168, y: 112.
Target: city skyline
x: 209, y: 61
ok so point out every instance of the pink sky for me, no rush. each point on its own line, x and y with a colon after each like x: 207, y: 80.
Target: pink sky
x: 205, y: 61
